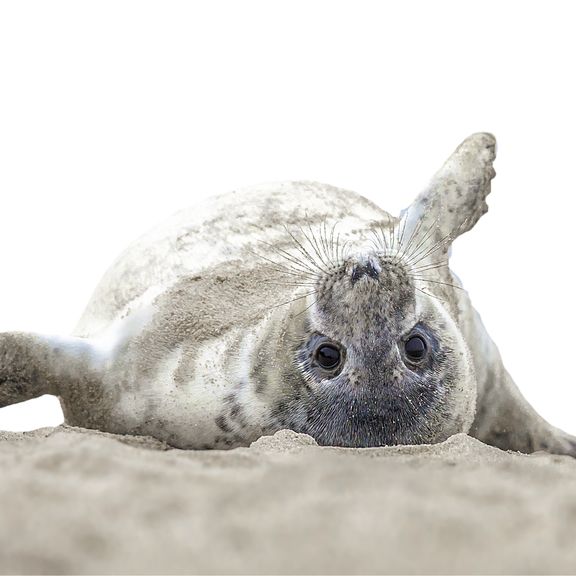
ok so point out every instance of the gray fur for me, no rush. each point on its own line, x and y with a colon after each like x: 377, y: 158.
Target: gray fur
x: 206, y: 332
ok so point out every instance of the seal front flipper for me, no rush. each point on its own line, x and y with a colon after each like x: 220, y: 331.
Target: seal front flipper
x: 455, y: 198
x: 32, y: 365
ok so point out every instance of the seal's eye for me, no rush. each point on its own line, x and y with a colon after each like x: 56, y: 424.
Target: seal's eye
x: 328, y: 356
x: 415, y: 348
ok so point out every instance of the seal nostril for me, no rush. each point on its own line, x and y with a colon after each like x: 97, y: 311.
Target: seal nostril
x: 370, y: 270
x: 360, y: 270
x: 357, y: 273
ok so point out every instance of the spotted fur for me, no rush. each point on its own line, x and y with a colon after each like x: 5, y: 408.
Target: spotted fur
x: 205, y: 332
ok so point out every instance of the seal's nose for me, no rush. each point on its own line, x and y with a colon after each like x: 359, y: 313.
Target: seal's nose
x: 363, y: 269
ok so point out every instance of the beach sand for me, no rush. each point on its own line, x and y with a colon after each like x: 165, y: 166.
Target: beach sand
x: 78, y: 501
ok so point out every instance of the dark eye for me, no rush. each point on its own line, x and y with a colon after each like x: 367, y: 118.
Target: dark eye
x: 415, y: 348
x: 328, y: 356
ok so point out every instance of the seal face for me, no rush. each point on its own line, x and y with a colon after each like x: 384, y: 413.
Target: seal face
x: 371, y: 362
x: 292, y: 305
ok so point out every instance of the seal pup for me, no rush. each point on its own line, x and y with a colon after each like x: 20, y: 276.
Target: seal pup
x: 293, y: 305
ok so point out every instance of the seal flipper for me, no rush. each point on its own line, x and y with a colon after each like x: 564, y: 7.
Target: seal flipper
x: 455, y: 198
x: 504, y: 418
x: 32, y: 365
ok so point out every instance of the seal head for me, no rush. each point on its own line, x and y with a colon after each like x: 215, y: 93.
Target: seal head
x: 376, y: 360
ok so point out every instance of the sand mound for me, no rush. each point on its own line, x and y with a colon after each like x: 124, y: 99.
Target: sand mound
x: 74, y: 501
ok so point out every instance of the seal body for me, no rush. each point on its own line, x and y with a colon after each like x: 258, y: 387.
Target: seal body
x: 290, y: 305
x: 204, y: 352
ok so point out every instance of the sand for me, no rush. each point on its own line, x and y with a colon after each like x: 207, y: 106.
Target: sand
x: 78, y: 501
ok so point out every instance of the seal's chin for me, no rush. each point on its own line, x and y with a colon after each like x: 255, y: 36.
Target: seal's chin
x: 338, y: 418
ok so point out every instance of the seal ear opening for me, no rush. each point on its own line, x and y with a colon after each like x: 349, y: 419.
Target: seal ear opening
x: 455, y: 199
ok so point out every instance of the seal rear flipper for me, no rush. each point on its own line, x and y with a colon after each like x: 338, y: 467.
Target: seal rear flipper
x: 32, y: 365
x: 504, y: 418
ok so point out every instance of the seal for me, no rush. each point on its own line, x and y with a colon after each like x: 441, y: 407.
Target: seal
x: 291, y: 305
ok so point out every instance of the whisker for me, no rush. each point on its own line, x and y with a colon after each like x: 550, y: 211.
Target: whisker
x: 376, y: 244
x: 345, y: 247
x: 391, y: 231
x: 324, y: 241
x: 304, y: 252
x: 427, y: 267
x: 436, y: 282
x: 314, y: 244
x: 302, y: 296
x: 413, y: 237
x: 290, y: 257
x: 377, y: 241
x: 401, y: 239
x: 285, y: 269
x: 446, y: 239
x: 380, y: 237
x: 428, y: 294
x: 423, y: 241
x: 430, y: 250
x: 387, y: 240
x: 332, y: 241
x: 338, y: 258
x: 296, y: 284
x: 290, y: 272
x: 307, y: 308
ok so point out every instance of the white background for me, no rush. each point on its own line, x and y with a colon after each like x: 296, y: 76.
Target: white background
x: 115, y: 114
